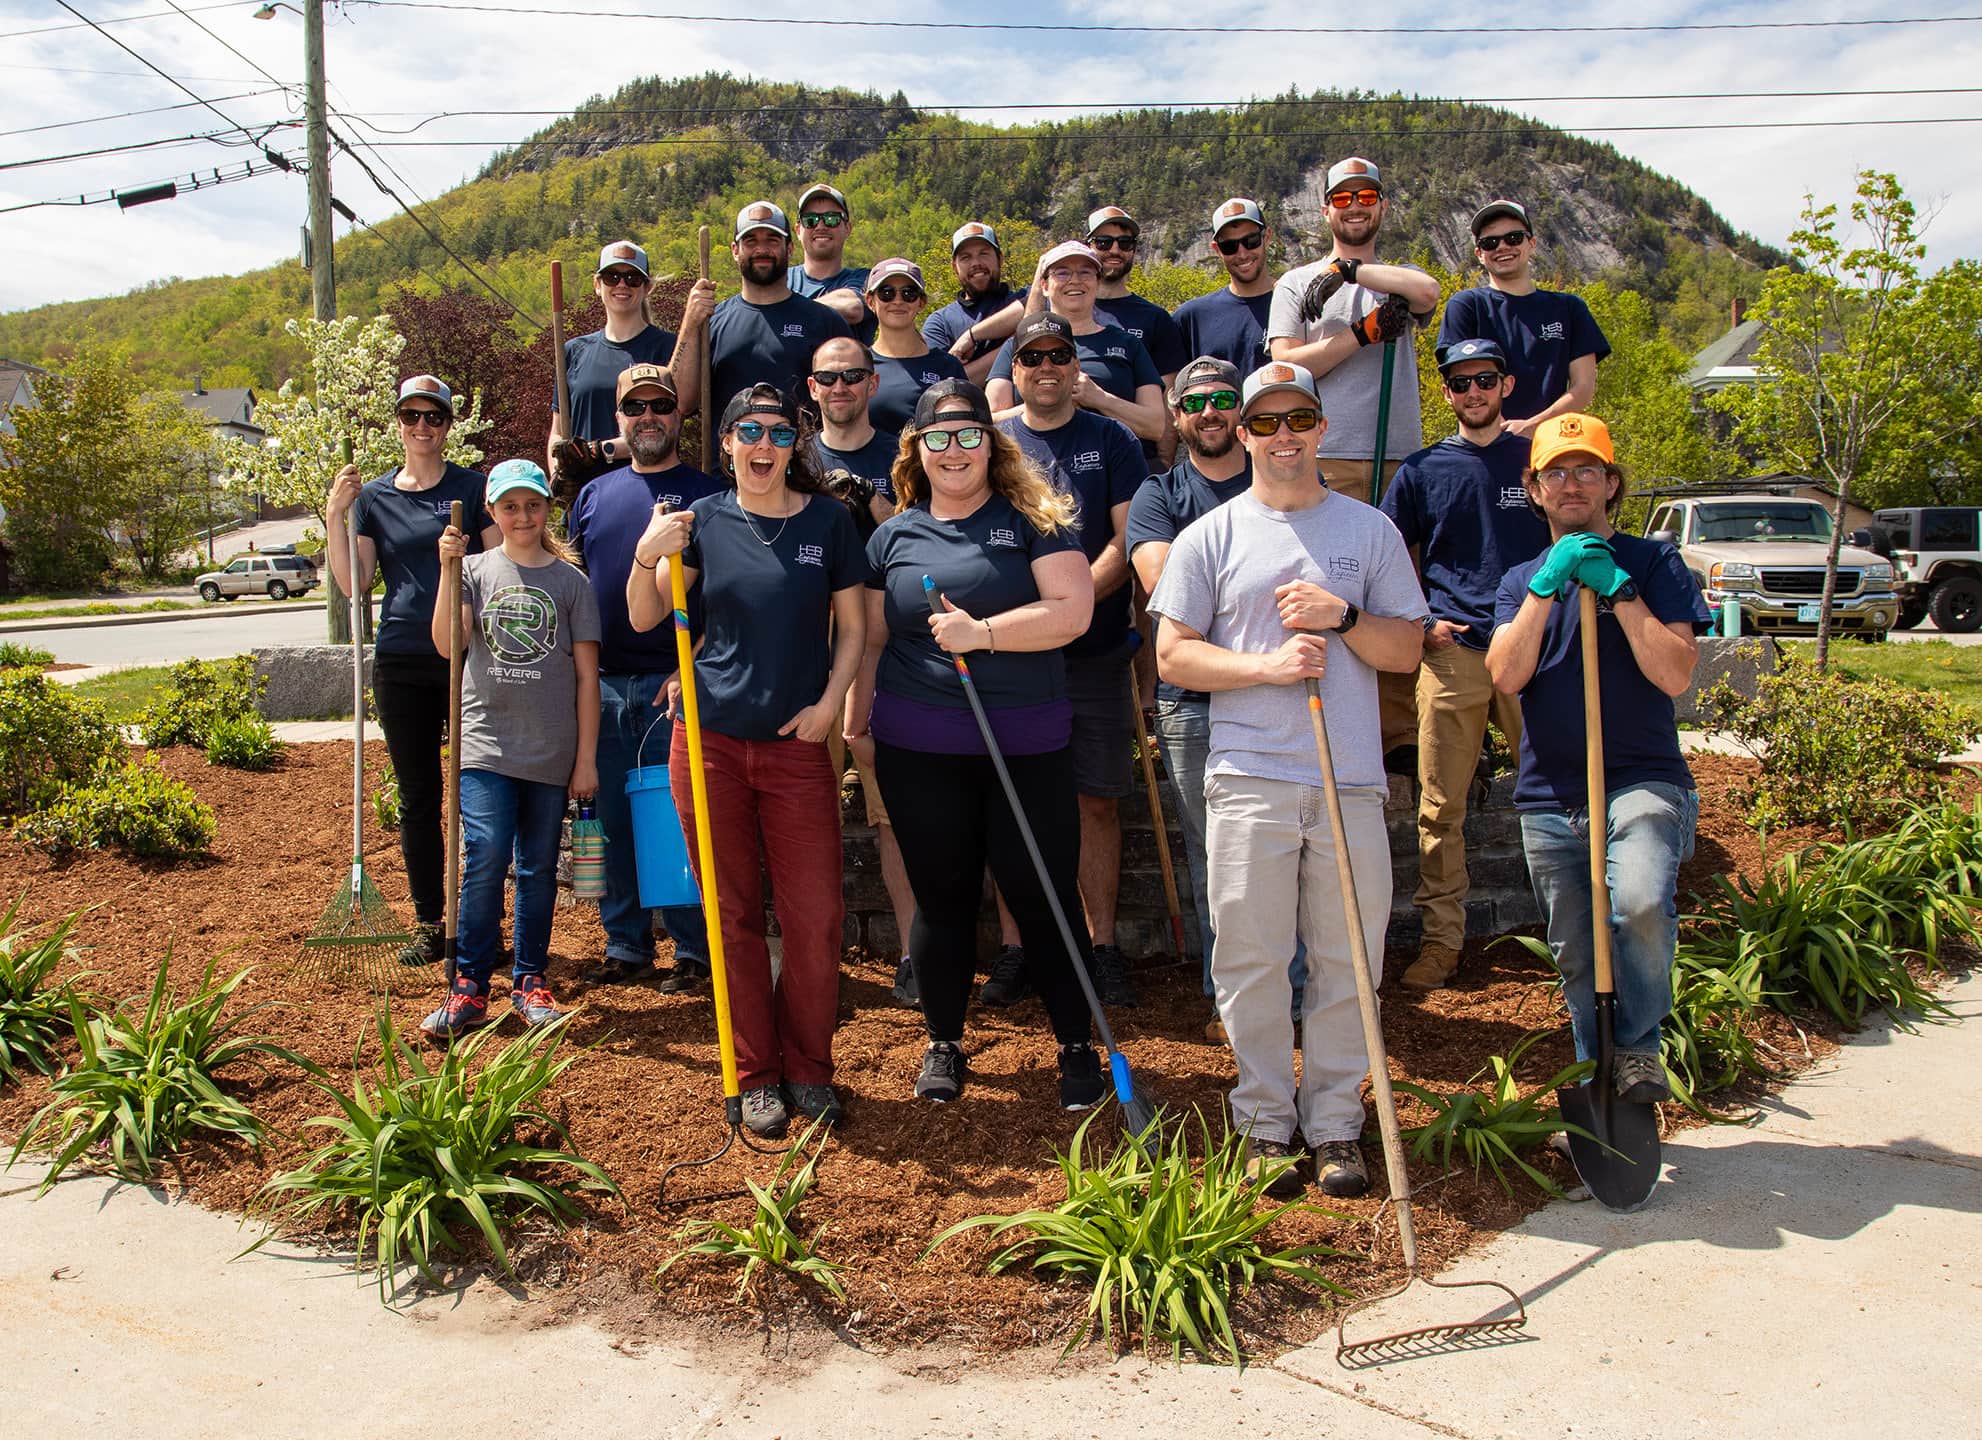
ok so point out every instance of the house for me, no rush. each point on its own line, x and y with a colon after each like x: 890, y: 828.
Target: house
x: 230, y: 410
x: 1730, y: 360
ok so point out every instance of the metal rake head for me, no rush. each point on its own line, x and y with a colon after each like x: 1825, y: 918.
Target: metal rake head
x: 1427, y: 1340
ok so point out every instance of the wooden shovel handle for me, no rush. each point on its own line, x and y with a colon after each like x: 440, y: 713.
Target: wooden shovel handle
x: 557, y: 350
x: 456, y: 652
x: 1594, y: 784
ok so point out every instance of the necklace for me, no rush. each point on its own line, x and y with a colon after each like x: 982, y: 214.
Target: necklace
x: 757, y: 534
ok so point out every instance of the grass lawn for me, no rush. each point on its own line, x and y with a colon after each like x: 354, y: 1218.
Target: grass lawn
x: 100, y: 607
x: 1953, y: 670
x: 125, y: 692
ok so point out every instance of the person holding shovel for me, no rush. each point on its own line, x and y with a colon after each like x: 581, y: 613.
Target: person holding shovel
x: 1649, y: 612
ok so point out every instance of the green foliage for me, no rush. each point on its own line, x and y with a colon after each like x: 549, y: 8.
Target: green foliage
x: 135, y: 807
x: 147, y: 1080
x: 420, y: 1152
x: 385, y: 799
x: 1166, y: 1243
x: 244, y: 742
x: 1709, y: 1042
x: 771, y: 1242
x: 1491, y: 1126
x: 31, y: 1009
x: 200, y: 694
x: 1837, y: 751
x: 14, y: 655
x: 49, y: 737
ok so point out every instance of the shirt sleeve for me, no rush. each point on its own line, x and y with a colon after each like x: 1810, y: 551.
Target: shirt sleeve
x: 1393, y: 589
x: 1401, y: 503
x: 1150, y: 520
x: 1586, y: 337
x: 1001, y: 368
x: 1283, y: 316
x: 1185, y: 592
x: 1166, y: 346
x: 584, y: 610
x: 691, y: 553
x: 846, y: 562
x: 1670, y: 593
x: 936, y: 331
x: 1126, y: 467
x: 1513, y: 592
x: 877, y: 557
x: 1145, y: 369
x: 573, y: 350
x: 1461, y: 322
x: 1041, y: 543
x: 361, y: 516
x: 834, y: 327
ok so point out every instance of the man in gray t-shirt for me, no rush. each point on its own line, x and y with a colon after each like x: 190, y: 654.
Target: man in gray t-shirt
x: 1286, y: 583
x: 519, y: 714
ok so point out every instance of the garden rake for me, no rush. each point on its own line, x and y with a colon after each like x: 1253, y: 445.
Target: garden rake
x: 358, y: 934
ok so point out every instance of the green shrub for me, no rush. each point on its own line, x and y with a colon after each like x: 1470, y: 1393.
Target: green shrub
x: 135, y: 807
x: 770, y: 1243
x: 201, y: 693
x: 16, y: 656
x: 31, y: 1009
x: 48, y: 737
x: 245, y: 742
x: 1493, y: 1125
x: 1836, y: 751
x: 385, y: 799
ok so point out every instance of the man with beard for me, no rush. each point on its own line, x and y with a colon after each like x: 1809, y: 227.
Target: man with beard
x: 766, y: 334
x: 1463, y: 510
x: 1113, y: 234
x: 1230, y: 324
x: 974, y: 325
x: 636, y: 669
x: 824, y: 222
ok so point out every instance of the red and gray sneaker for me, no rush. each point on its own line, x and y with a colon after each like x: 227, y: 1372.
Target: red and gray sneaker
x: 531, y: 998
x: 466, y: 1008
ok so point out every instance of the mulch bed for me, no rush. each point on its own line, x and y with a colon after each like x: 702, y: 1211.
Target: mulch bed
x: 648, y: 1094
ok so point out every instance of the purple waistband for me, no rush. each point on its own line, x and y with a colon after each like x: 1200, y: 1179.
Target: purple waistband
x: 952, y: 730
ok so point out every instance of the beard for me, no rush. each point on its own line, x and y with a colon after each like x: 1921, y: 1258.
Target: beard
x: 1357, y: 231
x: 1212, y: 449
x: 652, y: 445
x: 762, y: 269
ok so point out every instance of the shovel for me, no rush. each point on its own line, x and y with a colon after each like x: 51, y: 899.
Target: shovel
x: 1618, y: 1156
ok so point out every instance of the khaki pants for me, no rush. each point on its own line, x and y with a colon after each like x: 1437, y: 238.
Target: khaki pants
x: 1352, y: 477
x: 1396, y: 694
x: 1455, y: 700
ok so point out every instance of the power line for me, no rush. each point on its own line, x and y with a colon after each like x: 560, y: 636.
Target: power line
x: 204, y: 137
x: 170, y: 79
x: 127, y: 74
x: 198, y: 180
x: 117, y: 20
x: 133, y: 114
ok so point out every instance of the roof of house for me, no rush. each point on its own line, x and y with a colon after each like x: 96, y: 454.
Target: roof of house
x: 230, y: 405
x: 1728, y: 360
x: 14, y: 377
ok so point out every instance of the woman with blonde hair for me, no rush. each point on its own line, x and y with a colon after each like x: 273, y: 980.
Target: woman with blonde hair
x: 1012, y: 587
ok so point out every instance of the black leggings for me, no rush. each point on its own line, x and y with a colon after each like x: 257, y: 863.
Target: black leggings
x: 410, y: 692
x: 951, y: 819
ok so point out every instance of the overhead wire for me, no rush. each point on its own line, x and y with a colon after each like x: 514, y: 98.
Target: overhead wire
x: 185, y: 182
x: 133, y: 114
x: 162, y: 74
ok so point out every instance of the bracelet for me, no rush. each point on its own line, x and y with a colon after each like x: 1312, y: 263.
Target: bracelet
x: 990, y: 640
x: 655, y: 566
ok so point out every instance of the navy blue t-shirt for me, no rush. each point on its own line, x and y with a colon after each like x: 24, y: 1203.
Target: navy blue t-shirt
x: 768, y: 650
x: 405, y: 527
x: 1539, y: 334
x: 605, y: 524
x: 851, y: 277
x: 902, y: 384
x: 1114, y: 359
x: 1463, y: 506
x: 1640, y: 735
x: 773, y: 344
x: 592, y: 365
x: 1098, y: 462
x: 1151, y: 324
x: 1164, y: 506
x: 1227, y: 327
x: 946, y: 326
x: 873, y: 461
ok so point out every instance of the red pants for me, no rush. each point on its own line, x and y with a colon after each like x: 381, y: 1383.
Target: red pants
x: 778, y: 799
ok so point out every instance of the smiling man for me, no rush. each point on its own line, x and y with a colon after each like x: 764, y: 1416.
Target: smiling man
x: 766, y: 334
x: 986, y: 310
x: 825, y: 221
x: 1230, y: 324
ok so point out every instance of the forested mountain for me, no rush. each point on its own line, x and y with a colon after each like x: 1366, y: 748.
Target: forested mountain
x: 662, y: 156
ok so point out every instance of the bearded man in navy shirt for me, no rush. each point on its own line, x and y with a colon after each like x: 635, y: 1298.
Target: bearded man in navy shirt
x: 1230, y: 324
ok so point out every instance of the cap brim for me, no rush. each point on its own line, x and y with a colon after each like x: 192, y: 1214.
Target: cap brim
x: 1283, y: 387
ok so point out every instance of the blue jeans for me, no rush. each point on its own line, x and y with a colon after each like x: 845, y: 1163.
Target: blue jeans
x: 1649, y: 836
x: 626, y: 711
x: 503, y: 818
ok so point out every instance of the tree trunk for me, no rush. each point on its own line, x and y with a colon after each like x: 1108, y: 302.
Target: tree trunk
x: 1830, y: 575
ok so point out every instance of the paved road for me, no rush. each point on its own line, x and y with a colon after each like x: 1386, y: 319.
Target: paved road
x: 232, y: 630
x: 1926, y: 631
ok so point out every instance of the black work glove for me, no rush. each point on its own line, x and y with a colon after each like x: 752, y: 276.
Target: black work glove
x: 857, y: 493
x: 1332, y: 278
x: 1385, y: 323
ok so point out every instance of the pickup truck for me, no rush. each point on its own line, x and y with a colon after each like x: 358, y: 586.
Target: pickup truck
x: 1766, y: 553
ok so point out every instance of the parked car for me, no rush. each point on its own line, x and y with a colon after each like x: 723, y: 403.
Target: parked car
x: 1937, y: 563
x: 276, y: 576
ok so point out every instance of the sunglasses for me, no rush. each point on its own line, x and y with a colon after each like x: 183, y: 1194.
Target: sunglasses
x: 1033, y: 359
x: 1491, y: 243
x: 1299, y: 421
x: 1583, y: 475
x: 1485, y: 380
x: 1112, y: 242
x: 1060, y: 274
x: 1343, y: 199
x: 413, y: 419
x: 831, y: 219
x: 659, y: 405
x: 827, y: 379
x: 1216, y: 399
x: 1244, y: 242
x: 623, y: 277
x: 937, y: 441
x: 751, y: 431
x: 905, y: 292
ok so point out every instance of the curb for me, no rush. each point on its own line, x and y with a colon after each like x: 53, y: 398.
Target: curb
x: 153, y: 617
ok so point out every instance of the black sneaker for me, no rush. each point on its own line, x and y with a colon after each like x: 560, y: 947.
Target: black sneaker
x: 1081, y: 1086
x: 1005, y: 985
x: 1639, y: 1079
x: 686, y: 977
x: 814, y: 1102
x: 615, y: 972
x: 905, y: 992
x: 1111, y: 978
x: 423, y: 946
x: 943, y: 1072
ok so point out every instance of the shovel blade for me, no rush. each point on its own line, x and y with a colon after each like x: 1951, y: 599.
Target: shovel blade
x: 1621, y: 1165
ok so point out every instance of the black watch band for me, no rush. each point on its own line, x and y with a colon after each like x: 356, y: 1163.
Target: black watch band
x: 1628, y: 591
x: 1350, y: 615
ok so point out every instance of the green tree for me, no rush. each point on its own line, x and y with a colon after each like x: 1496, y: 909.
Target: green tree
x: 167, y: 489
x: 1642, y: 393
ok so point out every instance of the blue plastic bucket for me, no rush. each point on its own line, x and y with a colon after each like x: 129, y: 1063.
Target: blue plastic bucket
x: 660, y: 854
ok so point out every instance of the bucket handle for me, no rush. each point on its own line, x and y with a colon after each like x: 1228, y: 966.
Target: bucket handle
x: 640, y: 755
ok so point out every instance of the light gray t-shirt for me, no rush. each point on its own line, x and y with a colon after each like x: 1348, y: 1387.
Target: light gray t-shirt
x: 1350, y: 391
x: 519, y: 686
x: 1219, y: 580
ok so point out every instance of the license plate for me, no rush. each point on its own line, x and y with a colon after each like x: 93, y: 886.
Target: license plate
x: 1809, y: 614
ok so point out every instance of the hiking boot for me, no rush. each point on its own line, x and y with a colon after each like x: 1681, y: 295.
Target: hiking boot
x: 687, y: 977
x: 943, y: 1072
x: 1432, y: 969
x: 466, y: 1008
x: 1005, y: 985
x: 423, y: 946
x: 764, y: 1112
x: 1639, y: 1079
x: 619, y: 972
x: 1111, y: 978
x: 1274, y: 1165
x: 531, y: 998
x: 1339, y: 1168
x: 1214, y: 1031
x: 814, y: 1102
x: 1081, y: 1086
x: 906, y: 994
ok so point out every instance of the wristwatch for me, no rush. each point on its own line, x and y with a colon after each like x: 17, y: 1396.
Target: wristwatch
x: 1350, y: 615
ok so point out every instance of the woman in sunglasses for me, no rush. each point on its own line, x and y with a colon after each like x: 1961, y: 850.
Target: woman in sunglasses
x: 398, y: 519
x: 1012, y: 587
x: 782, y: 576
x: 902, y: 358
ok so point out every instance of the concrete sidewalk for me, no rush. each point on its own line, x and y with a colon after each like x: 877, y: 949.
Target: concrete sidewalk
x: 1817, y: 1275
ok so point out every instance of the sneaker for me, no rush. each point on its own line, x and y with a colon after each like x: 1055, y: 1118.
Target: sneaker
x: 531, y: 998
x: 1005, y: 985
x: 814, y: 1102
x: 905, y: 992
x: 764, y: 1112
x: 618, y: 972
x: 1081, y: 1086
x: 1111, y: 978
x: 423, y: 946
x: 1639, y: 1079
x: 466, y: 1008
x: 943, y: 1072
x: 1214, y: 1031
x: 1432, y: 969
x: 1340, y: 1170
x: 1275, y: 1166
x: 687, y: 977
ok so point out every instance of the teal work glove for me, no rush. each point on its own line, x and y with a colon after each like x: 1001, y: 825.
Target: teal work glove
x: 1564, y: 556
x: 1599, y: 571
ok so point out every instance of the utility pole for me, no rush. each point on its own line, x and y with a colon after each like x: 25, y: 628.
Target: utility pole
x: 323, y: 271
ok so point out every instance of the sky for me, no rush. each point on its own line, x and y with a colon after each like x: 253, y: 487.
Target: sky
x: 390, y: 66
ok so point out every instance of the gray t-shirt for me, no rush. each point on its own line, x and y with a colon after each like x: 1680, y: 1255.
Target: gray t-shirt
x: 1350, y: 391
x: 1220, y: 579
x: 519, y: 687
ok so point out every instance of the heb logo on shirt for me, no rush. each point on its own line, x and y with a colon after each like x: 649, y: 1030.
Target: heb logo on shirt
x: 793, y: 331
x: 1555, y: 330
x: 929, y: 377
x: 1117, y: 352
x: 812, y: 555
x: 1003, y: 540
x: 1513, y: 497
x: 1084, y: 460
x: 1343, y: 565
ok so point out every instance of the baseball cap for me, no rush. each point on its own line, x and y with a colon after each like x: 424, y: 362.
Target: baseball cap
x: 1354, y: 167
x: 761, y: 215
x: 1042, y: 323
x: 1069, y: 250
x: 1460, y: 351
x: 1272, y: 379
x: 759, y: 399
x: 1205, y: 370
x: 623, y: 252
x: 427, y: 387
x: 1564, y: 435
x: 1233, y: 210
x: 951, y: 390
x: 1111, y: 215
x: 892, y: 266
x: 635, y: 376
x: 1497, y: 210
x: 517, y: 475
x: 974, y: 230
x: 822, y: 188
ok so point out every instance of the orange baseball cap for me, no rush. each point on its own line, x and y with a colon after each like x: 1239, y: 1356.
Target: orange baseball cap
x: 1561, y: 435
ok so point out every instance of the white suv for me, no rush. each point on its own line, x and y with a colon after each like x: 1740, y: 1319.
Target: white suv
x: 276, y: 576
